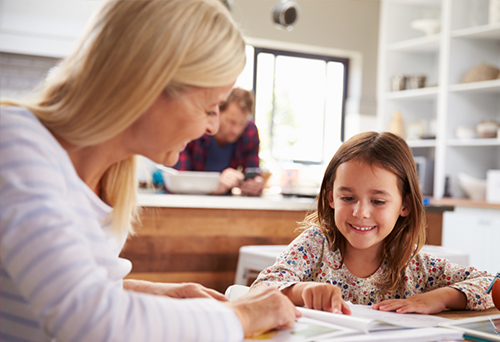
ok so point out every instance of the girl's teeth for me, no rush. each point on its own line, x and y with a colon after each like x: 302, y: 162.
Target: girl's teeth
x: 363, y: 228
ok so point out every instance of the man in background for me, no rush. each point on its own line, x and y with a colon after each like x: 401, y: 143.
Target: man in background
x: 233, y: 151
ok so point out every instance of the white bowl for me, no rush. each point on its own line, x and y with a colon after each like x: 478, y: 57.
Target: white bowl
x: 474, y: 188
x: 191, y: 182
x: 427, y: 26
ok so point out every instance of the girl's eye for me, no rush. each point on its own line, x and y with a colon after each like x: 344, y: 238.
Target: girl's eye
x: 346, y: 198
x: 378, y: 202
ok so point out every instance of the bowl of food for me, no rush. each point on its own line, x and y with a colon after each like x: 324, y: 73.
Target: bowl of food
x: 191, y: 182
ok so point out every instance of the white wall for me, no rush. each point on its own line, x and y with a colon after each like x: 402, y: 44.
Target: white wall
x: 339, y: 24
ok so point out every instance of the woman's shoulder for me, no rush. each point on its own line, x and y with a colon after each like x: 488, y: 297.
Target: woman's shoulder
x: 18, y: 122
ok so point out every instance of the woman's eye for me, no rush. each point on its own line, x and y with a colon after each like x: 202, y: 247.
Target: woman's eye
x: 211, y: 113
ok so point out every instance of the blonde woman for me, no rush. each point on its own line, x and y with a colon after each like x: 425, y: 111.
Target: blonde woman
x: 146, y: 78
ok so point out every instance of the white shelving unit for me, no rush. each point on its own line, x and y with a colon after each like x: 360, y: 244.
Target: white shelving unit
x: 465, y: 40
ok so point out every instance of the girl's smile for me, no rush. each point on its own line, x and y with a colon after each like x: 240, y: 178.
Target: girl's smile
x: 367, y: 204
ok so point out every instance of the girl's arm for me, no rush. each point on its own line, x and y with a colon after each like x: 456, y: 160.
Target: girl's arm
x: 441, y: 284
x: 295, y: 274
x: 297, y: 263
x: 426, y: 303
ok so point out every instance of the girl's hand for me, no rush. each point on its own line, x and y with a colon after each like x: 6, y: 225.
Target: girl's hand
x: 181, y: 290
x: 318, y: 296
x: 426, y: 303
x: 263, y: 309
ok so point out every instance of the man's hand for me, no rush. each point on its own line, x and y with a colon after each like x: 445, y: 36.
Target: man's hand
x: 318, y: 296
x: 426, y: 303
x: 181, y: 290
x: 229, y: 178
x: 252, y: 186
x: 263, y: 309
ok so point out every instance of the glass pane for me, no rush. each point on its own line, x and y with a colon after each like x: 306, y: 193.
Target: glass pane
x: 299, y: 109
x: 245, y: 80
x: 333, y: 113
x: 264, y: 102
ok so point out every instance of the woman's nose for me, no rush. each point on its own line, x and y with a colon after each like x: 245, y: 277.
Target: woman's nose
x: 213, y: 122
x: 361, y: 210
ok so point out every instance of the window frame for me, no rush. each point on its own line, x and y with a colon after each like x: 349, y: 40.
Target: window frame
x: 279, y: 52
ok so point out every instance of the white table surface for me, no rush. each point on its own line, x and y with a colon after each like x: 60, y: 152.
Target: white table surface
x: 266, y: 202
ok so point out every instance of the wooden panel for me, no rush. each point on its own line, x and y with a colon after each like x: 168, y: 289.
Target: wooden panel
x: 202, y: 245
x: 434, y: 228
x: 225, y: 222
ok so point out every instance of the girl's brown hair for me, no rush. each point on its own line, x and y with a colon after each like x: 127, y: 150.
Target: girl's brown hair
x: 391, y: 153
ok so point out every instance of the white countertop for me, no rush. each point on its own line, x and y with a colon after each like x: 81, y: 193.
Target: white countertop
x: 266, y: 202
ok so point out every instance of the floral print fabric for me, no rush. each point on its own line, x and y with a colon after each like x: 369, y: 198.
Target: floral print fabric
x: 309, y: 258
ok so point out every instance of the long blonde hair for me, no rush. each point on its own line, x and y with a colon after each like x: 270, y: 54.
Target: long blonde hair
x: 131, y: 52
x: 391, y: 153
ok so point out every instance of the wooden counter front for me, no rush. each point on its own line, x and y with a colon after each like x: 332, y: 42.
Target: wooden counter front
x: 202, y: 245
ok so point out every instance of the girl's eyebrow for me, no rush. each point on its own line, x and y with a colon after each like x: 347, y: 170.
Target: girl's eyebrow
x: 380, y: 192
x: 344, y: 188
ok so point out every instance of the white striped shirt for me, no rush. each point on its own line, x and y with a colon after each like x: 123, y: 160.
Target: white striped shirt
x: 60, y: 274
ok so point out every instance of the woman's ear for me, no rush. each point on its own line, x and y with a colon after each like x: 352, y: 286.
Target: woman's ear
x: 405, y: 207
x: 330, y: 199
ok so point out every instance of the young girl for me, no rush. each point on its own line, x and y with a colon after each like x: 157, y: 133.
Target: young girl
x: 363, y: 243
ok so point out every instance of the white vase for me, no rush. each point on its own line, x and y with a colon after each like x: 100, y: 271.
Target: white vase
x: 494, y: 12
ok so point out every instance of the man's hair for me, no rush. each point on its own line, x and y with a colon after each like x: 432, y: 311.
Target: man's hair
x: 244, y: 99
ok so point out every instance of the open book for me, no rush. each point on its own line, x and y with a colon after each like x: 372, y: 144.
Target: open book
x: 364, y: 324
x: 485, y: 328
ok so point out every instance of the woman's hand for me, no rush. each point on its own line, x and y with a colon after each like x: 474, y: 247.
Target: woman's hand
x: 263, y: 309
x: 181, y: 290
x: 426, y: 303
x: 318, y: 296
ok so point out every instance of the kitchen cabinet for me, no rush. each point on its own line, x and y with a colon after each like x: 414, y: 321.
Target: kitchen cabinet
x: 43, y: 28
x: 465, y: 40
x: 477, y: 232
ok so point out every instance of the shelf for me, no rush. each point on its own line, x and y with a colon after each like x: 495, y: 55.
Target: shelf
x: 473, y: 142
x: 479, y: 32
x: 425, y: 44
x: 411, y: 94
x: 421, y: 143
x: 492, y: 86
x: 427, y: 3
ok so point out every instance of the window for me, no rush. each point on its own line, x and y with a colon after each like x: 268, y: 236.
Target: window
x: 300, y: 101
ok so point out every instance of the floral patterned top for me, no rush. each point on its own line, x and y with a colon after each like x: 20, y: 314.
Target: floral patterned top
x: 309, y: 258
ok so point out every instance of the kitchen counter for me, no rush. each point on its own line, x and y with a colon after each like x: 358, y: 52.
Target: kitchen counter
x: 266, y: 202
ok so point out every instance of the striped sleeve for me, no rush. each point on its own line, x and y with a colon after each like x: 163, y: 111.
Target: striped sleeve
x: 59, y: 278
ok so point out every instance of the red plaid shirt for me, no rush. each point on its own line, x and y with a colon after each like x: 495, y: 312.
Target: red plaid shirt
x: 245, y: 154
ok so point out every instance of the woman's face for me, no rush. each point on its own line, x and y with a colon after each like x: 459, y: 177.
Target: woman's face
x: 166, y: 127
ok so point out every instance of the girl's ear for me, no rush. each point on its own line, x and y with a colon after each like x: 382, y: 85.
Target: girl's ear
x: 405, y: 207
x: 330, y: 199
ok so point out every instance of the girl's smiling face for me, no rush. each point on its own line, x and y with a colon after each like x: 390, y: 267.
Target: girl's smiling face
x: 367, y: 204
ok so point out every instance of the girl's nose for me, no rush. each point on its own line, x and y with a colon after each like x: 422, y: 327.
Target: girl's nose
x: 361, y: 210
x: 213, y: 122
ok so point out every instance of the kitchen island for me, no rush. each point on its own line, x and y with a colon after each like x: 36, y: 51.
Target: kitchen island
x: 195, y: 238
x: 190, y: 238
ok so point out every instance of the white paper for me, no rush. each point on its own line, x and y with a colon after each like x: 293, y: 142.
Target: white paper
x: 402, y: 320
